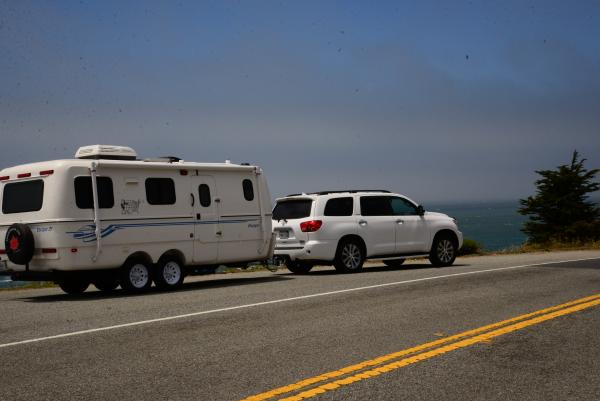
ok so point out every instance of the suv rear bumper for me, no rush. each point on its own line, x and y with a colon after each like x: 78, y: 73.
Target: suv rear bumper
x: 311, y: 250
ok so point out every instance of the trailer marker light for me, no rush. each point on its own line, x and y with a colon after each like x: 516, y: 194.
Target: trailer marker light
x: 48, y: 250
x: 23, y: 175
x: 4, y: 177
x: 46, y: 172
x: 73, y: 250
x: 183, y: 172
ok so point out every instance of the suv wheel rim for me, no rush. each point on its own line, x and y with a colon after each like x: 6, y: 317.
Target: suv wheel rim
x: 138, y: 276
x: 445, y: 250
x: 171, y: 273
x: 351, y: 256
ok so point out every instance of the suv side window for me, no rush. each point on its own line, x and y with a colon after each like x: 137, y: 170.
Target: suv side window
x: 402, y: 207
x: 375, y: 206
x: 339, y: 207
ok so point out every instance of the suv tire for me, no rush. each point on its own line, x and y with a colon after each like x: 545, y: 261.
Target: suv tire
x: 349, y: 257
x: 298, y: 267
x: 443, y: 251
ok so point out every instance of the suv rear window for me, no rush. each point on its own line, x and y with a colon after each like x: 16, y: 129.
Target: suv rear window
x: 339, y: 207
x: 292, y: 209
x: 21, y: 197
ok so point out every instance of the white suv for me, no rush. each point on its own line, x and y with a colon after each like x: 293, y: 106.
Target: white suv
x: 344, y: 228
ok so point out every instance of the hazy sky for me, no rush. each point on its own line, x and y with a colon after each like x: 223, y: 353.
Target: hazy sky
x: 437, y: 100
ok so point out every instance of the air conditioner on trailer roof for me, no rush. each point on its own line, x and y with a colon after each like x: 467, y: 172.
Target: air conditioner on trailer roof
x: 106, y: 152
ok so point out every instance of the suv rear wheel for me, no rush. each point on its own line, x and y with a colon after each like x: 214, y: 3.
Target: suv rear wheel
x: 443, y: 251
x: 349, y: 257
x: 298, y: 267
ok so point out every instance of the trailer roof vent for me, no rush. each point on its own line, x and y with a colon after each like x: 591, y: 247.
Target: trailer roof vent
x: 106, y: 152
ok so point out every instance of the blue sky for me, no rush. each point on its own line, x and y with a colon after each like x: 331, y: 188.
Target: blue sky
x: 438, y: 100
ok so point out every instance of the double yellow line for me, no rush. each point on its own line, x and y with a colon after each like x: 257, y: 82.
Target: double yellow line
x: 333, y: 380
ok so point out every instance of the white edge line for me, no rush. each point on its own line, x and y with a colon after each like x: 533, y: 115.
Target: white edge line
x: 276, y: 301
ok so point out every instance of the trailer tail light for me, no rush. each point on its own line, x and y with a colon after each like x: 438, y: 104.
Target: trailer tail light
x: 46, y: 172
x: 310, y: 226
x: 23, y: 175
x: 48, y: 250
x: 4, y: 178
x: 2, y: 251
x: 183, y: 172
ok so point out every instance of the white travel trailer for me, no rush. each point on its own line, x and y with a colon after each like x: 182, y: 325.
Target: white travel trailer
x: 109, y: 219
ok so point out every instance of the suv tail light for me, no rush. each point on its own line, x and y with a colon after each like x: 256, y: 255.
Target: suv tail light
x: 310, y: 226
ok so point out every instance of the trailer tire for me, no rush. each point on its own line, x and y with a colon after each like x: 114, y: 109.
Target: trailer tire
x: 19, y: 244
x: 73, y: 286
x: 168, y: 274
x: 136, y: 276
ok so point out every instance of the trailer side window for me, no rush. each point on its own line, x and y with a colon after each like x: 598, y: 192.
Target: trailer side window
x: 84, y: 197
x: 248, y: 190
x: 21, y: 197
x: 160, y: 191
x: 204, y: 195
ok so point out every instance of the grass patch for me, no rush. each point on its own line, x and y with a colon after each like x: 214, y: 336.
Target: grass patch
x: 550, y: 246
x: 470, y: 247
x: 29, y: 285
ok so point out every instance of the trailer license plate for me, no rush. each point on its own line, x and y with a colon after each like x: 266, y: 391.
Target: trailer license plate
x: 284, y: 234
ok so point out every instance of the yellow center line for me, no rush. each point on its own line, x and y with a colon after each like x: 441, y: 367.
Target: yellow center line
x: 438, y: 351
x: 385, y: 358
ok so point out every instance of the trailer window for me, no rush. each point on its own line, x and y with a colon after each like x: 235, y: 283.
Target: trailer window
x: 84, y: 196
x: 204, y: 195
x: 160, y: 191
x: 21, y: 197
x: 248, y: 190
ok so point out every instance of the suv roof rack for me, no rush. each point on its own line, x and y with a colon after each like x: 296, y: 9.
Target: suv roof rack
x: 352, y: 191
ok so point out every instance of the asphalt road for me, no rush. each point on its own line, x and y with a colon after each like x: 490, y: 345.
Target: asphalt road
x: 228, y: 337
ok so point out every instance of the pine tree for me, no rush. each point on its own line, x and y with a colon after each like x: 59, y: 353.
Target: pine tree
x: 561, y: 209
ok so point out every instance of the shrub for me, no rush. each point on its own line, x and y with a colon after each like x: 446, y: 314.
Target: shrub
x: 470, y: 247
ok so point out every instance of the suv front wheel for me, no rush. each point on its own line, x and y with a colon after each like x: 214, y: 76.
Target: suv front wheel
x: 349, y: 257
x: 443, y: 251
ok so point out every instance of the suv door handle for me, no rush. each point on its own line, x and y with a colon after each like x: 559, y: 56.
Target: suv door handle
x: 362, y: 223
x: 400, y: 221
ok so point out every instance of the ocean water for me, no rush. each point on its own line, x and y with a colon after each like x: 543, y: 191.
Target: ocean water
x: 495, y: 225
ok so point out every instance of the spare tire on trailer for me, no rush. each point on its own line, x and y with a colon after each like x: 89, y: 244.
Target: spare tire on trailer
x: 19, y: 244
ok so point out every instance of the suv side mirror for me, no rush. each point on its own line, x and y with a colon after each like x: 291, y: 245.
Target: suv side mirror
x: 420, y: 210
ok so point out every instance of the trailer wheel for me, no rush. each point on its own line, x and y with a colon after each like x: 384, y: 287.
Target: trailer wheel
x: 135, y: 276
x: 73, y: 286
x: 168, y: 274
